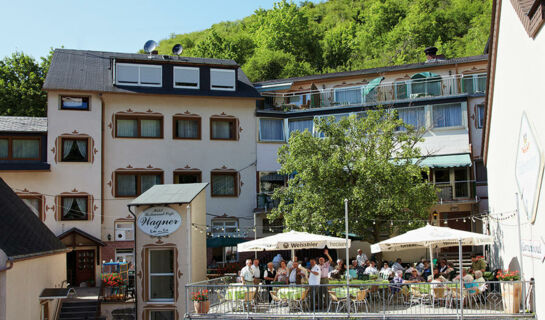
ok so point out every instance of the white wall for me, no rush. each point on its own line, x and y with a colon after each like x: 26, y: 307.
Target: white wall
x: 518, y: 88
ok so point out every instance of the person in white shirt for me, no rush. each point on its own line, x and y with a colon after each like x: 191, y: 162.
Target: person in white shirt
x: 246, y: 274
x: 256, y: 271
x: 386, y: 271
x: 361, y: 257
x: 314, y: 282
x: 371, y: 270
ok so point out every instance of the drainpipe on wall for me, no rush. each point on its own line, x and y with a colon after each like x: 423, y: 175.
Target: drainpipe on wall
x: 135, y: 265
x: 188, y: 219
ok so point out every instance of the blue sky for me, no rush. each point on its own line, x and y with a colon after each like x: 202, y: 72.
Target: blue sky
x: 115, y: 25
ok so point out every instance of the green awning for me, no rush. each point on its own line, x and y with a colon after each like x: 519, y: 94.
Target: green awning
x: 372, y: 85
x: 223, y: 242
x: 425, y: 75
x: 447, y: 161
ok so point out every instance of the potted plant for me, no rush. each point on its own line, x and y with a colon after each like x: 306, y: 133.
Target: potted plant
x: 112, y: 284
x: 511, y: 290
x: 200, y: 301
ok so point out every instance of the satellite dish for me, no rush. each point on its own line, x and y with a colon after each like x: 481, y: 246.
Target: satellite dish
x: 177, y: 49
x: 149, y: 46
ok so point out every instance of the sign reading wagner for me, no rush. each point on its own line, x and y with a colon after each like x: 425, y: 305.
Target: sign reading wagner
x: 159, y: 221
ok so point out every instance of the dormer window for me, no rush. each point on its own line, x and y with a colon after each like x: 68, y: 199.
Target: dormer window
x: 145, y: 75
x: 186, y: 77
x: 222, y: 79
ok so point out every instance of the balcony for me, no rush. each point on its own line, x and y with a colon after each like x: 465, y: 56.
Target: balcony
x: 265, y: 202
x: 456, y: 191
x: 376, y: 93
x: 362, y: 299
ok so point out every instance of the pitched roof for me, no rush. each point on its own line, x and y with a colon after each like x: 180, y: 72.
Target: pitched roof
x: 84, y: 70
x: 83, y: 234
x: 23, y: 124
x: 22, y: 233
x: 169, y: 194
x: 333, y: 75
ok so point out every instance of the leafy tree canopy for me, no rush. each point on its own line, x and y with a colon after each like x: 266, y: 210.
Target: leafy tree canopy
x: 21, y: 81
x: 340, y: 35
x: 354, y: 160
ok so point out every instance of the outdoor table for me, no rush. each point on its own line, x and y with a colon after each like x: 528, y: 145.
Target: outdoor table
x: 237, y: 292
x: 340, y: 292
x: 290, y: 293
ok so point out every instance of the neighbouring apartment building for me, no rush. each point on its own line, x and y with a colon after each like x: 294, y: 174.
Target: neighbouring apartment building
x: 446, y: 97
x: 116, y: 125
x: 514, y: 141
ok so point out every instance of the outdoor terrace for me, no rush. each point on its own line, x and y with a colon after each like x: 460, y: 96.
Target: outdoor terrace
x: 421, y: 86
x: 372, y: 299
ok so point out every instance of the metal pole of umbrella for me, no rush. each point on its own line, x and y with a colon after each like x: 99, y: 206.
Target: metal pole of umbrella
x: 460, y: 272
x: 255, y: 233
x: 346, y: 238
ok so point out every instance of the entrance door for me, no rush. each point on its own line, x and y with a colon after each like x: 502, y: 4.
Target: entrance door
x: 85, y: 266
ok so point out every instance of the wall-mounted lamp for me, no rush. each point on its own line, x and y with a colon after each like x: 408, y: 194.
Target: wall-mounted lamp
x: 109, y: 237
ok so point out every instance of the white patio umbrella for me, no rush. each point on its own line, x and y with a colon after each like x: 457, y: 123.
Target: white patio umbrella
x: 433, y: 237
x: 293, y: 240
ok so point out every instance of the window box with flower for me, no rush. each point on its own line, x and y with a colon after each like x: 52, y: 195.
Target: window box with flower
x: 511, y: 290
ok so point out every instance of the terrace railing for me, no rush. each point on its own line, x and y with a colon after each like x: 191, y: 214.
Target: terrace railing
x: 385, y: 93
x: 365, y: 299
x: 455, y: 191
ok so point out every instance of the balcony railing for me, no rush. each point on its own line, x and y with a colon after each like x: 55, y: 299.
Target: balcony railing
x: 265, y: 202
x: 375, y: 299
x: 456, y: 191
x: 384, y: 93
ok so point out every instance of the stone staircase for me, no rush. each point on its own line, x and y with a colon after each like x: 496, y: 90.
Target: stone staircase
x: 79, y: 309
x: 453, y: 257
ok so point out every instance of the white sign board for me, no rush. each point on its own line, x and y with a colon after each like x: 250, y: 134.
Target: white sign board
x: 528, y: 169
x: 159, y: 221
x: 533, y: 248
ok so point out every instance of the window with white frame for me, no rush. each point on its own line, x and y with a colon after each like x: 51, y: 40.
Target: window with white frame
x: 125, y: 255
x: 447, y: 115
x: 223, y: 227
x: 415, y: 117
x: 129, y: 74
x: 271, y: 129
x: 161, y: 274
x: 338, y: 117
x: 300, y: 125
x: 480, y: 116
x: 186, y: 77
x: 222, y: 79
x: 34, y: 202
x: 124, y: 230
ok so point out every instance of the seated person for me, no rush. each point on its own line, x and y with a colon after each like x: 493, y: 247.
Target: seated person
x: 415, y: 277
x: 436, y: 272
x: 371, y: 269
x: 397, y: 281
x: 466, y: 277
x: 397, y: 266
x: 339, y: 270
x: 355, y: 270
x: 437, y: 278
x: 426, y: 270
x: 386, y: 271
x: 477, y: 263
x: 481, y: 284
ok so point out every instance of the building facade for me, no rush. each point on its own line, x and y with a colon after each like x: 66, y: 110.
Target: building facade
x: 118, y: 124
x: 445, y: 97
x: 514, y: 141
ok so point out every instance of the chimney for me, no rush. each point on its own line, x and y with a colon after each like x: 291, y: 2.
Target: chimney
x: 431, y: 55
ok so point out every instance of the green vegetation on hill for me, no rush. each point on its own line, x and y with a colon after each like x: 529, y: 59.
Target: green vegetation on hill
x: 292, y: 40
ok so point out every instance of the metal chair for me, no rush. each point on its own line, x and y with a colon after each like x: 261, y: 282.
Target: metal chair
x: 333, y: 300
x: 361, y: 299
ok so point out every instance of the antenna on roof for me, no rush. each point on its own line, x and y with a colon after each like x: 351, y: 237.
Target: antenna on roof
x: 177, y: 49
x: 149, y: 46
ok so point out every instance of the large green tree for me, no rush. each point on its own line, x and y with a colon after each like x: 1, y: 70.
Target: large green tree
x: 366, y: 160
x: 21, y: 81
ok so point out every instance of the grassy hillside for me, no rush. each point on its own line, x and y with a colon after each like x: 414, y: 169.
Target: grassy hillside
x: 337, y: 35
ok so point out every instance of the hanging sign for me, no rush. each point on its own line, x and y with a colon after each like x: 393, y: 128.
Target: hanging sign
x: 159, y: 221
x: 529, y: 167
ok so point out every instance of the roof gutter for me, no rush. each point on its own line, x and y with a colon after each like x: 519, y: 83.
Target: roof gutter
x: 9, y: 265
x: 37, y: 254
